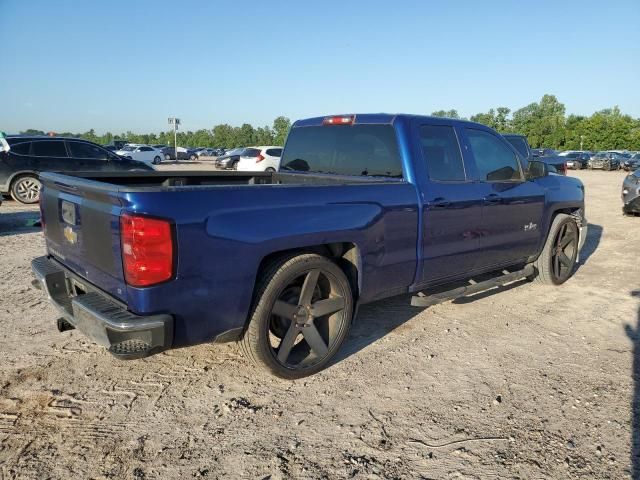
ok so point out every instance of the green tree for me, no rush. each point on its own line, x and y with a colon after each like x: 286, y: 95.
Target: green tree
x: 281, y: 127
x: 445, y: 113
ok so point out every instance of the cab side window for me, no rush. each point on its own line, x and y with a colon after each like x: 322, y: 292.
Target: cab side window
x: 441, y: 152
x: 495, y: 162
x: 49, y: 148
x: 87, y: 150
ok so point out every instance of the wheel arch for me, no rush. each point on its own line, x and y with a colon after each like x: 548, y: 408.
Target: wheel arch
x: 14, y: 176
x: 347, y: 255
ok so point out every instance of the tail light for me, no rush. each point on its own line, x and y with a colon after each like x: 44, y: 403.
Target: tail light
x: 147, y: 250
x: 259, y: 158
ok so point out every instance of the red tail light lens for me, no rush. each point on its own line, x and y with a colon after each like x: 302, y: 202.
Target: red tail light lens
x: 147, y: 250
x: 259, y: 158
x: 339, y: 120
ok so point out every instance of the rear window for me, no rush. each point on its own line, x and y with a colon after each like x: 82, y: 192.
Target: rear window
x: 274, y: 152
x: 49, y: 148
x: 370, y: 150
x: 250, y: 152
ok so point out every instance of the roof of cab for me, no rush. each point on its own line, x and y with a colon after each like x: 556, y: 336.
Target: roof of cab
x: 380, y: 118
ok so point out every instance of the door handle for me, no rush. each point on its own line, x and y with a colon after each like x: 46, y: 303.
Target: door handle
x: 439, y: 203
x: 492, y: 199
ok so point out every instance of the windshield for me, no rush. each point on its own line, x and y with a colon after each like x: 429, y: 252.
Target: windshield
x: 363, y: 150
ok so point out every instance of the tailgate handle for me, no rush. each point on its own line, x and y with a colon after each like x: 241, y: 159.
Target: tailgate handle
x: 64, y: 186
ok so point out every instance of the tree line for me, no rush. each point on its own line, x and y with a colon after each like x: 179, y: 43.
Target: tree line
x: 545, y: 123
x: 222, y: 135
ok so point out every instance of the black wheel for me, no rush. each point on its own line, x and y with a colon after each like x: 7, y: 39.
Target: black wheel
x: 157, y: 160
x: 234, y: 165
x: 270, y: 169
x: 555, y: 264
x: 301, y: 316
x: 167, y: 157
x: 193, y: 157
x: 26, y: 189
x: 577, y: 165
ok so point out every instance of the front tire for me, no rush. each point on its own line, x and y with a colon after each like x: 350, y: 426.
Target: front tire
x: 157, y: 160
x: 193, y: 157
x: 26, y: 189
x: 301, y: 316
x: 556, y: 263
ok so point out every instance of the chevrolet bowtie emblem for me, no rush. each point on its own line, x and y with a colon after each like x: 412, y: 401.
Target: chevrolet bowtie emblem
x: 70, y: 235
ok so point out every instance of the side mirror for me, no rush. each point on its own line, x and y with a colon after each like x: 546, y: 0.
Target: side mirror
x: 537, y: 169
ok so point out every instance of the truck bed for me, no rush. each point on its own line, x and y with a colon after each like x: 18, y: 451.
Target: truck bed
x: 147, y: 181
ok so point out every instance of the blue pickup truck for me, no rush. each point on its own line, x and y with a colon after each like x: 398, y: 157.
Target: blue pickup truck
x: 364, y: 207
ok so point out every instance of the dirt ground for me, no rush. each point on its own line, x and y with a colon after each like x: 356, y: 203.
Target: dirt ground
x: 525, y: 382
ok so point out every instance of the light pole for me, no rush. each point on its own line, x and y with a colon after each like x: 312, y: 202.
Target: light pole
x: 581, y: 141
x: 175, y: 122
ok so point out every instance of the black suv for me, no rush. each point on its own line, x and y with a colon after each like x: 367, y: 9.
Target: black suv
x: 28, y: 156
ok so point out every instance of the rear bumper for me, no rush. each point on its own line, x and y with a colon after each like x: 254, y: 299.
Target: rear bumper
x: 99, y: 317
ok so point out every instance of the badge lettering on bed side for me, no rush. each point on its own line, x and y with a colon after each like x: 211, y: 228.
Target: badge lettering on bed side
x: 530, y: 227
x: 70, y: 235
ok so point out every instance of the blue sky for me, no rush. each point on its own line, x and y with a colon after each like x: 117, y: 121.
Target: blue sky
x: 128, y: 65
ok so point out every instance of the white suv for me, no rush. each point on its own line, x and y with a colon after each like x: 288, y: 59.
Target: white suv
x: 142, y: 153
x: 260, y: 159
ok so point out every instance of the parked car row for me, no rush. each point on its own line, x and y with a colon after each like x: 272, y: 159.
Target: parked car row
x: 603, y: 160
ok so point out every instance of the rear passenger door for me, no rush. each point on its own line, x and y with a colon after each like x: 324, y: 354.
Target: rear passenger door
x: 511, y: 224
x: 52, y: 156
x: 452, y: 206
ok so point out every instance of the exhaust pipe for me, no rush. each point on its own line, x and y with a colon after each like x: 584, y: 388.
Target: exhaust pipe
x: 63, y: 325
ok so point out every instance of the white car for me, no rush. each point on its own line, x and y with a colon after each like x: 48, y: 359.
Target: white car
x: 260, y: 159
x: 142, y: 153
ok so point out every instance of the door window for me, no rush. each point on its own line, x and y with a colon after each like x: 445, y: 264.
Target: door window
x: 49, y: 148
x: 146, y: 149
x: 87, y: 150
x: 495, y: 162
x: 441, y: 151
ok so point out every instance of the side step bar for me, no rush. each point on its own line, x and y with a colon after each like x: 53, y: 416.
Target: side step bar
x: 425, y: 300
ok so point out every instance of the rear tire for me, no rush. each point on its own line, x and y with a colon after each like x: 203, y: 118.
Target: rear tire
x: 25, y: 189
x: 302, y: 314
x: 193, y: 157
x: 557, y: 261
x: 270, y: 169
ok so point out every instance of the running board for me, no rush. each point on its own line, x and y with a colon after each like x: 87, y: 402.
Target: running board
x: 423, y: 300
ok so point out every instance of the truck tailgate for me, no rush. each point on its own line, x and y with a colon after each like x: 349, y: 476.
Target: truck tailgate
x: 82, y: 231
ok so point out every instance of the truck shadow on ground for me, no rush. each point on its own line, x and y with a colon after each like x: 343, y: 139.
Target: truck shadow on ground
x: 15, y: 223
x: 634, y: 336
x: 377, y: 319
x: 594, y: 235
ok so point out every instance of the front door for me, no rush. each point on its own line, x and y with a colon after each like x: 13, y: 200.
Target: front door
x: 511, y: 222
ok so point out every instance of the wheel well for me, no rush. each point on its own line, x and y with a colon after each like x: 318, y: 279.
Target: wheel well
x: 345, y: 254
x: 573, y: 211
